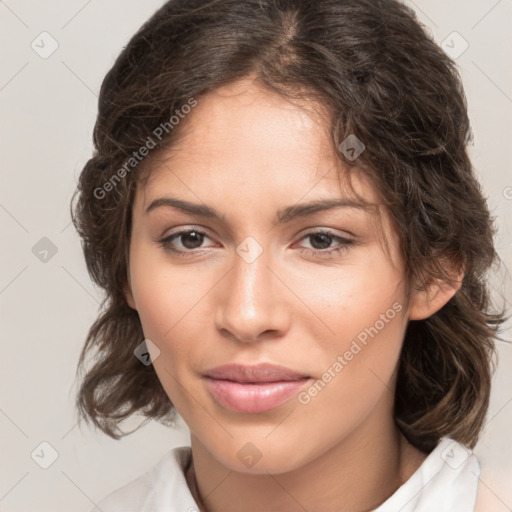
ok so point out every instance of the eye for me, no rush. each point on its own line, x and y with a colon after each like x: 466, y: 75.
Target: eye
x: 192, y: 239
x: 322, y: 239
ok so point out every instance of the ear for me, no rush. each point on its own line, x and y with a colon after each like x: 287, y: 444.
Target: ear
x: 128, y: 293
x: 426, y: 302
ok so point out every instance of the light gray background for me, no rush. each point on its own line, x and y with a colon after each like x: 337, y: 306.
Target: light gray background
x: 48, y: 108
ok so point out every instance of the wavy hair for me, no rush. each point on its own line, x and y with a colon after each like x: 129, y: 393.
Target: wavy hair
x: 383, y: 79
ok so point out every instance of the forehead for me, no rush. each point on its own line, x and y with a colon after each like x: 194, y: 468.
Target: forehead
x: 248, y: 154
x: 244, y: 138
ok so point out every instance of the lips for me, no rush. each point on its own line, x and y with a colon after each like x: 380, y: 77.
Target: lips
x: 255, y: 373
x: 253, y: 389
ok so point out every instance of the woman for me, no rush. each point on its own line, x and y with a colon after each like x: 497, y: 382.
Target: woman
x: 293, y: 245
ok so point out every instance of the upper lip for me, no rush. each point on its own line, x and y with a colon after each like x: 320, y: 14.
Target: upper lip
x: 263, y: 372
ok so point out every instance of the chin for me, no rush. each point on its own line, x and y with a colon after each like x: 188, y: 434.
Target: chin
x: 259, y: 456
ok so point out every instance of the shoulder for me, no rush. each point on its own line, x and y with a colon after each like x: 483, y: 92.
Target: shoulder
x: 162, y: 488
x: 446, y: 481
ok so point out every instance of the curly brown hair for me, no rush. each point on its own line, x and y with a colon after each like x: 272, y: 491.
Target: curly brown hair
x: 382, y: 78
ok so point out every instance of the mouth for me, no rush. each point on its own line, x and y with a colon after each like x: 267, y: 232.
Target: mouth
x: 255, y: 388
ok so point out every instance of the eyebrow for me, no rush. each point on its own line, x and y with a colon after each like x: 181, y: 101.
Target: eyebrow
x: 285, y: 215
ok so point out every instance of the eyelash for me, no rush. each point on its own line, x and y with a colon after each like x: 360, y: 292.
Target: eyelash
x: 345, y: 243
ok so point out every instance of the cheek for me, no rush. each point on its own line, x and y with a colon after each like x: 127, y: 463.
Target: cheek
x: 357, y: 376
x: 172, y: 303
x: 362, y: 303
x: 163, y: 293
x: 353, y: 296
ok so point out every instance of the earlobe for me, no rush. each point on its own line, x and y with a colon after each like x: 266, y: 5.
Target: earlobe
x: 426, y: 302
x: 129, y: 295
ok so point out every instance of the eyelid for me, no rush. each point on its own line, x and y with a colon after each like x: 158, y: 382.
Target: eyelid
x: 343, y: 242
x: 301, y: 234
x: 342, y: 233
x: 186, y: 228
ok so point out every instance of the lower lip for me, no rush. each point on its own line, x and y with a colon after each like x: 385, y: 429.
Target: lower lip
x: 253, y: 397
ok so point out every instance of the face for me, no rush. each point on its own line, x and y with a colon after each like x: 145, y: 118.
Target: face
x: 315, y: 293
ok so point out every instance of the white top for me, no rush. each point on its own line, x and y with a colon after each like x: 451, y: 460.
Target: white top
x: 447, y: 481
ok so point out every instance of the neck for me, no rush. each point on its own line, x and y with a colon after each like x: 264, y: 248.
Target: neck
x: 359, y: 473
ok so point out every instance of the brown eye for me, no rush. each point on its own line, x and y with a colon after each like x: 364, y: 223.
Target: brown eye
x: 190, y: 240
x: 321, y: 240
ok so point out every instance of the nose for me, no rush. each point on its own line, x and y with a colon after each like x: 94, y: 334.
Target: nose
x: 250, y: 304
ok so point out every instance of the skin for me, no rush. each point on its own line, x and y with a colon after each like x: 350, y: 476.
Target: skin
x: 247, y: 153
